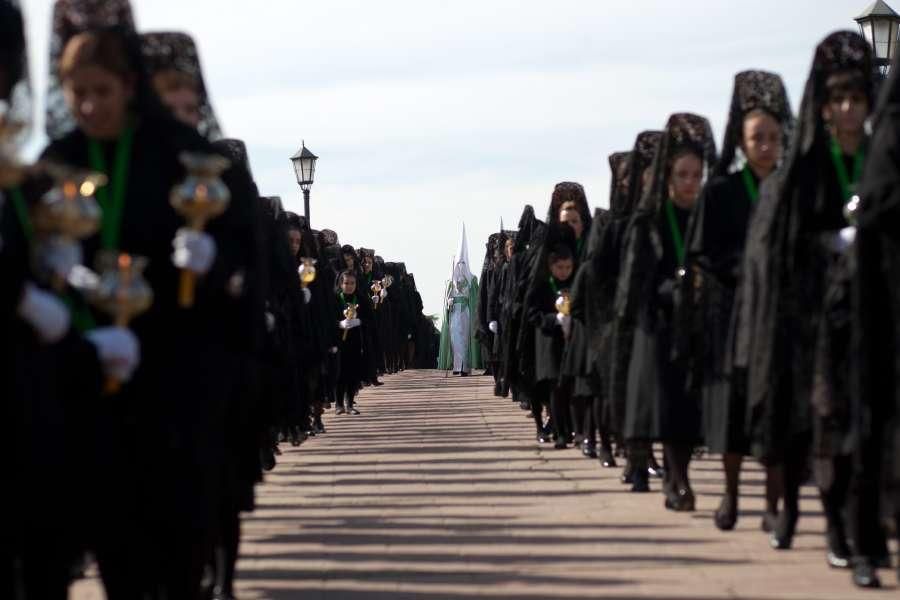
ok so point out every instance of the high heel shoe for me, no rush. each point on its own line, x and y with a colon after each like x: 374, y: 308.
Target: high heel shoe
x: 783, y: 534
x: 726, y: 515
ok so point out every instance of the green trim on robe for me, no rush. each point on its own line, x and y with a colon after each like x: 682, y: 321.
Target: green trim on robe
x: 445, y: 354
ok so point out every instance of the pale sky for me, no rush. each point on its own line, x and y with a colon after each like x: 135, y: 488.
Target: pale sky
x: 426, y: 114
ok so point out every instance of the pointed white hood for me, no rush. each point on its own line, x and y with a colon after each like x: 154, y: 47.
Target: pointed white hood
x: 461, y: 269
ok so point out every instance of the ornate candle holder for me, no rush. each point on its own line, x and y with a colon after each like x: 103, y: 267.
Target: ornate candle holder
x: 122, y: 292
x: 202, y: 196
x: 12, y: 172
x: 64, y: 216
x: 307, y: 271
x: 349, y: 313
x: 564, y: 303
x: 376, y: 288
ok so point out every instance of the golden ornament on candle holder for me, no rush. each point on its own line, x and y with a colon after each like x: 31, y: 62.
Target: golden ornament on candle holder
x: 201, y: 197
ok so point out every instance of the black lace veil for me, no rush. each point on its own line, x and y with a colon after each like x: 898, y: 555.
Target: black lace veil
x: 176, y: 51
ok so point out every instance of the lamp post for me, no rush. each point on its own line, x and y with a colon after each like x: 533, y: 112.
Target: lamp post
x: 305, y: 168
x: 879, y: 25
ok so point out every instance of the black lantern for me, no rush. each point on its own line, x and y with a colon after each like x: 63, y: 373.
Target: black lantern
x: 305, y: 169
x: 879, y: 25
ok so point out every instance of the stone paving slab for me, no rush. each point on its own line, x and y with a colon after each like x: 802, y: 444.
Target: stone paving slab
x: 439, y: 492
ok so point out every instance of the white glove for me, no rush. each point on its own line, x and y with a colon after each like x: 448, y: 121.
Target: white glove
x: 349, y: 324
x: 565, y: 321
x: 45, y: 313
x: 493, y: 327
x: 57, y: 257
x: 307, y: 295
x: 118, y: 349
x: 194, y: 251
x: 270, y: 322
x: 383, y: 293
x: 333, y: 350
x: 83, y: 279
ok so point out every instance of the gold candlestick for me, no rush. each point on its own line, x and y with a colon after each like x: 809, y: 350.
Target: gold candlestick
x: 376, y: 292
x: 202, y: 196
x: 307, y: 271
x: 349, y: 313
x: 564, y: 303
x: 122, y: 292
x: 64, y: 216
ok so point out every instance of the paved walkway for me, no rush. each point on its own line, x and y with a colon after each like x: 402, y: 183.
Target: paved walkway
x: 438, y: 492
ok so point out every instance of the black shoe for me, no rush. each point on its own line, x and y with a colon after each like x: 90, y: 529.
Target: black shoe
x: 525, y: 405
x: 607, y: 459
x: 654, y: 470
x: 276, y: 450
x: 627, y: 474
x: 588, y: 449
x: 354, y: 411
x: 340, y: 410
x: 561, y: 443
x: 865, y: 575
x: 640, y: 482
x: 319, y: 427
x: 839, y: 554
x: 783, y: 534
x: 377, y: 383
x: 463, y: 374
x: 542, y: 438
x: 680, y: 500
x: 726, y: 515
x: 297, y: 436
x: 267, y: 460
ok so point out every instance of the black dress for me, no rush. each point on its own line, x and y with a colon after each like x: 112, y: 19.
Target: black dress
x: 162, y: 435
x: 715, y: 249
x: 658, y: 406
x: 549, y: 341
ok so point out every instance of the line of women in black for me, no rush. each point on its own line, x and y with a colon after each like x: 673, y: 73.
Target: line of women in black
x: 134, y: 429
x: 742, y: 302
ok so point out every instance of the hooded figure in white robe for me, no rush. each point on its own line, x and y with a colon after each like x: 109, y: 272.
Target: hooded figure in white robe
x: 459, y: 348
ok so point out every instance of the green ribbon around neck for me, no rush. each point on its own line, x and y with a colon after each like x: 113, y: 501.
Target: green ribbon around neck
x: 677, y: 236
x: 112, y: 198
x: 344, y: 299
x: 837, y: 157
x: 553, y: 285
x: 18, y: 200
x: 750, y: 184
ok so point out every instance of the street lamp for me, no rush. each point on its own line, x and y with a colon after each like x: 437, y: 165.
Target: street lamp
x: 305, y: 168
x: 879, y: 24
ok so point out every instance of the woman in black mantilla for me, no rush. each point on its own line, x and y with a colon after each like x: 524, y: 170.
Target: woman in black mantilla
x: 875, y: 347
x: 612, y: 350
x: 352, y: 342
x: 759, y: 126
x: 173, y: 65
x: 530, y: 235
x: 163, y: 432
x: 51, y: 369
x: 319, y: 371
x: 369, y: 274
x: 569, y: 223
x: 590, y: 318
x: 784, y: 277
x: 658, y: 405
x: 487, y: 284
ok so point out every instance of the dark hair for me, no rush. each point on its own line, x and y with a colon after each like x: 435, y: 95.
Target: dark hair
x: 558, y: 253
x: 103, y: 48
x: 849, y: 80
